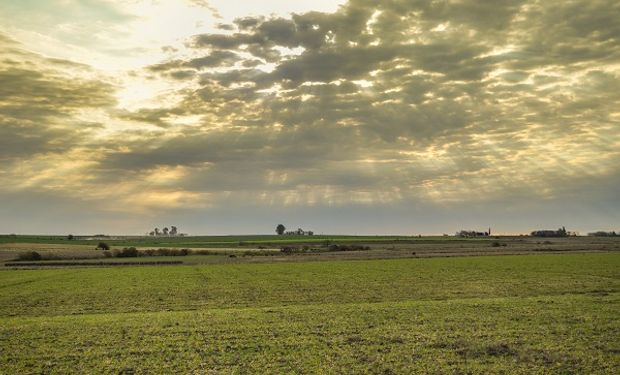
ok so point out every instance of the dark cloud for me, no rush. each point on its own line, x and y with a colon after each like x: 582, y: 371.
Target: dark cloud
x: 381, y: 80
x: 400, y: 102
x: 38, y: 102
x: 214, y: 59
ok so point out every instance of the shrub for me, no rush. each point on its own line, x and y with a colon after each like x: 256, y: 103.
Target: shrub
x: 163, y: 252
x: 289, y: 249
x: 29, y: 255
x: 292, y: 250
x: 184, y: 252
x: 347, y: 247
x: 107, y: 254
x: 103, y: 246
x: 258, y: 253
x: 128, y: 252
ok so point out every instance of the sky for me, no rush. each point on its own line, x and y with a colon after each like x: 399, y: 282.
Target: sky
x: 341, y: 117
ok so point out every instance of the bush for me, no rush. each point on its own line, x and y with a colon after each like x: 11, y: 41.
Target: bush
x: 128, y: 252
x: 348, y: 247
x: 29, y: 255
x: 172, y: 252
x: 184, y: 252
x: 258, y: 253
x: 103, y: 246
x: 289, y: 249
x: 133, y: 252
x: 292, y: 250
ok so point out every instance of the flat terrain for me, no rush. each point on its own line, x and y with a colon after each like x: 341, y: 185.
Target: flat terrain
x: 261, y: 249
x: 523, y: 314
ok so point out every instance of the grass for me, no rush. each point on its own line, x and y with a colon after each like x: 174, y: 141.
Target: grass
x: 511, y: 314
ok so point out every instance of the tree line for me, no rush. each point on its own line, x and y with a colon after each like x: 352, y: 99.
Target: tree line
x: 165, y: 232
x: 281, y: 230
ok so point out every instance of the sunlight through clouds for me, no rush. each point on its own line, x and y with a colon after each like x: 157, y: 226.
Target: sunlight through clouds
x: 200, y: 106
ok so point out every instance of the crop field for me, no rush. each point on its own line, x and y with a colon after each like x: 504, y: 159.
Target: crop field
x: 513, y: 314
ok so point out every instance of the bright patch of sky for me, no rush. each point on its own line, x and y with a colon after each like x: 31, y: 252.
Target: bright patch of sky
x: 113, y: 36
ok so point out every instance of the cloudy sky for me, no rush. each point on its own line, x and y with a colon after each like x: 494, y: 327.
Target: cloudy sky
x: 359, y: 116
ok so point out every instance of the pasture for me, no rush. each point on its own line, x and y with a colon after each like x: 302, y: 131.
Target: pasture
x: 514, y: 314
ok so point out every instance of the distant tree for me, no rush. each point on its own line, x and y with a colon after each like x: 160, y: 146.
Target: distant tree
x: 603, y: 234
x: 103, y: 246
x: 280, y: 229
x: 151, y: 233
x: 173, y: 230
x: 165, y: 231
x: 70, y: 237
x: 157, y: 232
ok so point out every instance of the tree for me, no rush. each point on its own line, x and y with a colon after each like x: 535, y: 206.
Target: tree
x: 165, y: 231
x: 70, y: 237
x: 173, y: 230
x: 280, y: 229
x: 157, y: 232
x: 151, y: 233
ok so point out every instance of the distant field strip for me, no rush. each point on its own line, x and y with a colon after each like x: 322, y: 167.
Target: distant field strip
x: 512, y: 314
x: 219, y: 241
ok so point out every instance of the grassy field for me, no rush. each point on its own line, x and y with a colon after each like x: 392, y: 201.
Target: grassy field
x: 511, y: 314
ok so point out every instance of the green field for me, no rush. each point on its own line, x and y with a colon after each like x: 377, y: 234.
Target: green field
x: 502, y: 314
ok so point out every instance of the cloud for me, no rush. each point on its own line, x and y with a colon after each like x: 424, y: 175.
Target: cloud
x: 398, y: 82
x: 408, y: 103
x: 40, y: 104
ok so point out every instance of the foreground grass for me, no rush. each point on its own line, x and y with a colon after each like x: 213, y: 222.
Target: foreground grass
x: 512, y: 314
